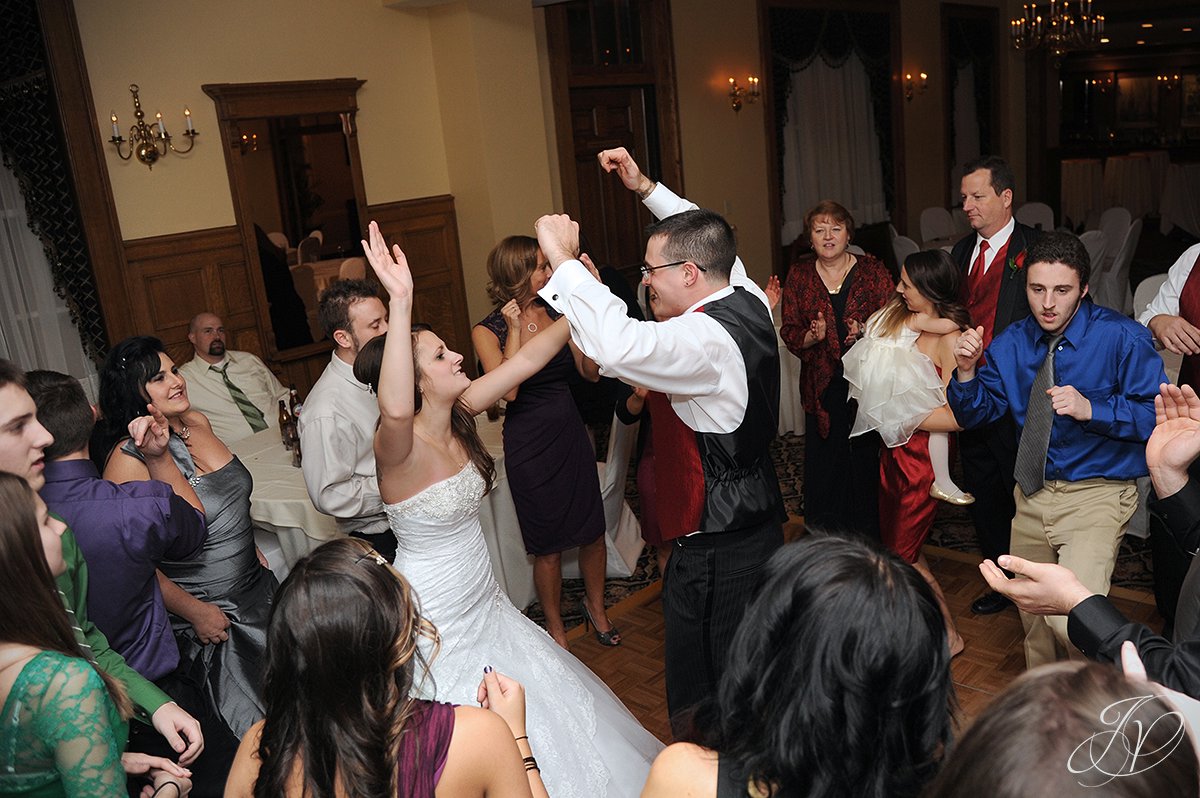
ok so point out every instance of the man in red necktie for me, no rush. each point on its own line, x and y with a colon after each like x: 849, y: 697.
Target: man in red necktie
x: 993, y: 258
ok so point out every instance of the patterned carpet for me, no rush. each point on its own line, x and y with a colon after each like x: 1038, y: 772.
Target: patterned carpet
x: 952, y: 529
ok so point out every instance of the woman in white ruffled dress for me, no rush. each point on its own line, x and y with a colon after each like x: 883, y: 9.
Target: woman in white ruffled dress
x: 433, y: 473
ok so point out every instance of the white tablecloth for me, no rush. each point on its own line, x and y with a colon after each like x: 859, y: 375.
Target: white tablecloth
x: 279, y: 503
x: 1128, y: 182
x: 1181, y: 198
x: 1082, y: 186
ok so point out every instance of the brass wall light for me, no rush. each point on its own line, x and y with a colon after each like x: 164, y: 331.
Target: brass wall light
x: 913, y: 85
x: 149, y: 142
x: 739, y: 94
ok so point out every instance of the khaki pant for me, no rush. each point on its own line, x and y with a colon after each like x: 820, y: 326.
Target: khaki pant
x: 1078, y: 525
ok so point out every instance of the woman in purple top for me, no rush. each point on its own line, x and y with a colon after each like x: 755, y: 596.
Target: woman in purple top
x: 340, y: 719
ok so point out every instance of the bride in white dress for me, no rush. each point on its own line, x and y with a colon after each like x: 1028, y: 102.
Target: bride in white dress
x: 433, y: 472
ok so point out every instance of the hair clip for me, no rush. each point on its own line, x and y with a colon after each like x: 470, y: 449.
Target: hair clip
x: 373, y: 555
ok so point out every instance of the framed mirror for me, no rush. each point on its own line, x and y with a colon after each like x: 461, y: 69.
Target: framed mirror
x: 291, y: 149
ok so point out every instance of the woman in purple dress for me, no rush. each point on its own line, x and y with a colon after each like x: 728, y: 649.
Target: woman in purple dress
x: 550, y: 462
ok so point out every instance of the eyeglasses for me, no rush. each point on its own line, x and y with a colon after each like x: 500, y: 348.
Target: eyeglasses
x: 647, y: 268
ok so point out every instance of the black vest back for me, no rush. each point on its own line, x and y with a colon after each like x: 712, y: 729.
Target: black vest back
x: 740, y: 486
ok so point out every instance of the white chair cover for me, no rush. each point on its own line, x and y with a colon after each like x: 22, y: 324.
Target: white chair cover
x: 1096, y: 246
x: 936, y: 223
x: 1036, y: 214
x: 904, y: 246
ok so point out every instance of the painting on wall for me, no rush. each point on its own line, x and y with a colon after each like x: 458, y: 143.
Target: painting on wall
x: 1137, y: 101
x: 1190, y: 115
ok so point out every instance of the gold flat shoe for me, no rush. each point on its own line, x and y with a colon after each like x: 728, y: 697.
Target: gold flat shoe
x: 962, y: 498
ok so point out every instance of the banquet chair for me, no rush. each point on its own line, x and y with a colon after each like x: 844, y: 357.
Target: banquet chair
x: 1096, y: 246
x: 308, y: 250
x: 1114, y: 223
x: 1113, y: 285
x: 855, y: 249
x: 279, y: 240
x: 355, y: 269
x: 936, y: 223
x: 904, y: 246
x: 1038, y: 215
x: 623, y: 533
x: 962, y: 225
x: 1145, y: 292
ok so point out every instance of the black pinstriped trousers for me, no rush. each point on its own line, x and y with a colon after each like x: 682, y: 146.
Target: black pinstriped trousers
x: 709, y: 580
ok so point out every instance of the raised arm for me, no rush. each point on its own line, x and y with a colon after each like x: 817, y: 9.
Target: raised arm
x: 923, y: 322
x: 397, y: 406
x: 532, y: 357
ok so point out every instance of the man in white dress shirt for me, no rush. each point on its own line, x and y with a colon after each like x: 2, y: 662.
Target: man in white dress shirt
x: 337, y: 426
x: 236, y: 390
x: 716, y: 356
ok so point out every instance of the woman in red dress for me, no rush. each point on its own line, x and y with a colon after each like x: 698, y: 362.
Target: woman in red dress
x: 929, y: 284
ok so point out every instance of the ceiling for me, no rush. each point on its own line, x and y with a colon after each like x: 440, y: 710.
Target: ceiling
x: 1124, y: 22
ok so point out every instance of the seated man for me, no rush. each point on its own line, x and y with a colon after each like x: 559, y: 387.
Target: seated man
x: 22, y: 443
x: 1094, y: 625
x: 236, y: 390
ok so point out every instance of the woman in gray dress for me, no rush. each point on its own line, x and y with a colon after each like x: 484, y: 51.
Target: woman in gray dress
x: 219, y: 601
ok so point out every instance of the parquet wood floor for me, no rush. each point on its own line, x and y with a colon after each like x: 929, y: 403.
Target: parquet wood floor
x: 993, y: 656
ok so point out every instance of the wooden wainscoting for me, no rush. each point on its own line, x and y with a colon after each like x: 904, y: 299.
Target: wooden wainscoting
x: 427, y: 230
x: 172, y: 278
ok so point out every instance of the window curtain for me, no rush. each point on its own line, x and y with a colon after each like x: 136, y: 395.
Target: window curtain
x: 830, y: 147
x: 965, y: 126
x: 802, y: 37
x: 36, y: 331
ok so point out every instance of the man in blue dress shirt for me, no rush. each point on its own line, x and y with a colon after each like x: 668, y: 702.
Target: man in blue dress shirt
x: 1079, y: 381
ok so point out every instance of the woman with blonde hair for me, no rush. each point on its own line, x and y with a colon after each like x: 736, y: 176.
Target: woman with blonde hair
x: 548, y: 458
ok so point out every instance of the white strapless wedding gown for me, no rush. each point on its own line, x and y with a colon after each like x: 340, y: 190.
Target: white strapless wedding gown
x: 585, y: 741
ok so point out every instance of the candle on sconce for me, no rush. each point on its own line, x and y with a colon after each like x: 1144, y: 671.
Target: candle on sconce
x: 116, y: 130
x: 187, y: 118
x: 162, y: 130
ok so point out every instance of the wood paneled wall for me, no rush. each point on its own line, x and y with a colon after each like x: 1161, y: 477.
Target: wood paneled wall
x: 172, y: 278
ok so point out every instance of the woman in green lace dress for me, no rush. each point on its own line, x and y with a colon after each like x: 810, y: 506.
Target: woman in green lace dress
x: 62, y: 721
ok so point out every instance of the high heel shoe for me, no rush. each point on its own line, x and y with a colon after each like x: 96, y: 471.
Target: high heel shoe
x: 611, y: 638
x: 961, y: 498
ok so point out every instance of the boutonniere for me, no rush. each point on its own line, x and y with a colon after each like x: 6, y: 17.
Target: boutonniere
x: 1016, y: 264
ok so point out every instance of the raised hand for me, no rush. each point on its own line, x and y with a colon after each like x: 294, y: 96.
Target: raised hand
x: 391, y: 269
x: 620, y: 161
x: 967, y: 352
x: 773, y: 290
x: 816, y: 331
x: 504, y: 696
x: 1175, y: 442
x: 511, y: 312
x: 586, y: 260
x: 1174, y: 401
x: 151, y: 433
x: 558, y: 237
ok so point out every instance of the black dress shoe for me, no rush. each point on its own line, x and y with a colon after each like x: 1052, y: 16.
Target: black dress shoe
x: 990, y: 603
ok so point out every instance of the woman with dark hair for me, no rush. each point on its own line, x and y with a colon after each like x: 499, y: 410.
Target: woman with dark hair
x: 342, y: 665
x: 433, y: 473
x: 63, y: 721
x: 219, y: 601
x: 827, y: 297
x: 549, y: 461
x: 926, y: 299
x: 1074, y: 728
x: 838, y: 684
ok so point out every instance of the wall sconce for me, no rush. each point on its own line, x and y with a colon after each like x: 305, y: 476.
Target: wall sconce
x: 912, y: 86
x: 737, y: 94
x: 246, y: 142
x: 149, y: 142
x: 1168, y: 82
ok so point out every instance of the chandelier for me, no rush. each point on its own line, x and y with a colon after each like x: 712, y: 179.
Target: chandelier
x: 1067, y: 26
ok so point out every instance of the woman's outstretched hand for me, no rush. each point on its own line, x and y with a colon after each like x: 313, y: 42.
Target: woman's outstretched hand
x: 392, y: 270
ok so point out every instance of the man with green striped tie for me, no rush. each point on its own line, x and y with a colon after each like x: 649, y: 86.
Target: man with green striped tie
x: 236, y: 390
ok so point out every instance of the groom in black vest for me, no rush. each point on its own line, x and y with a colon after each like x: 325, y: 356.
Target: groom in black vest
x: 714, y: 353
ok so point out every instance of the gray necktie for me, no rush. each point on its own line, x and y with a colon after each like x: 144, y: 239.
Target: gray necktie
x: 1039, y: 419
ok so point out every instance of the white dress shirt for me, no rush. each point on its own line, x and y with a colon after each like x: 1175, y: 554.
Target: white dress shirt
x: 337, y: 438
x: 1166, y: 301
x: 691, y: 358
x: 998, y: 240
x: 208, y: 393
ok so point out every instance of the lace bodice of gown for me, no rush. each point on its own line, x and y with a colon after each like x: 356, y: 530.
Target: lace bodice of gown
x: 587, y: 742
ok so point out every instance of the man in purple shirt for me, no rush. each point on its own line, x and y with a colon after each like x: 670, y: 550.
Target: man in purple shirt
x: 124, y: 530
